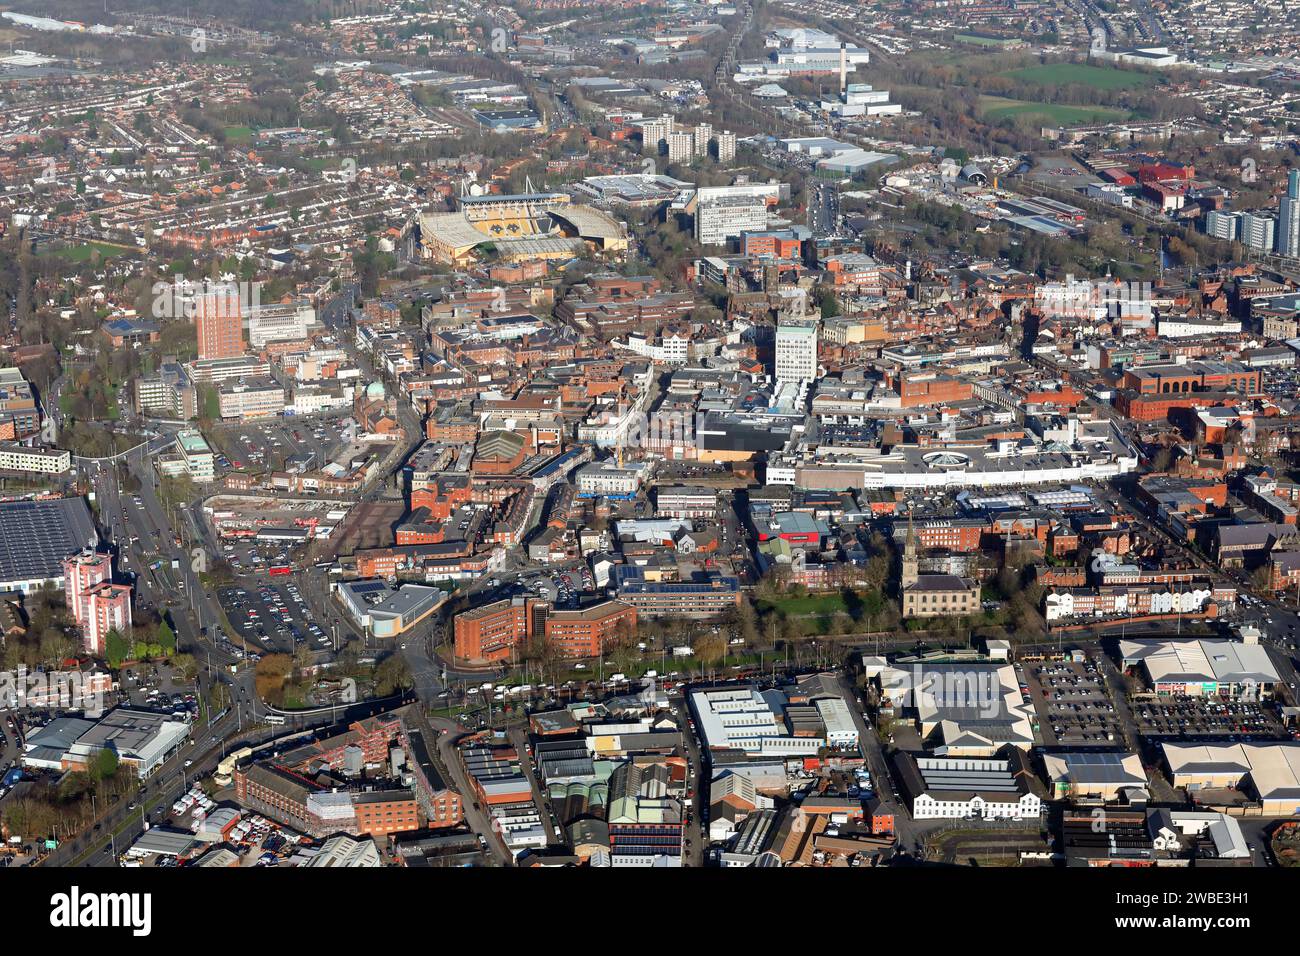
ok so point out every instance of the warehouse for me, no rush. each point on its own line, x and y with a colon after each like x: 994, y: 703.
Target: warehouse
x: 1093, y: 776
x: 841, y: 731
x: 142, y: 740
x: 1270, y: 773
x: 164, y: 841
x: 346, y: 852
x: 404, y: 608
x: 740, y: 718
x: 35, y: 537
x: 969, y: 708
x: 1203, y: 667
x: 387, y: 612
x: 45, y: 748
x: 937, y: 788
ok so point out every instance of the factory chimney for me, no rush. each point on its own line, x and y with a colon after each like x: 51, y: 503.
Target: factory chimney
x: 844, y: 68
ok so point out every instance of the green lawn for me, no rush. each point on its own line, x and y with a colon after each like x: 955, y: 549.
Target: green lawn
x: 807, y: 604
x: 826, y: 604
x: 83, y: 253
x: 1081, y: 74
x: 295, y: 697
x: 994, y: 108
x: 239, y: 134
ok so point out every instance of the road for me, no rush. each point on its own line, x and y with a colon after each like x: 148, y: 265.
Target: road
x: 161, y: 789
x: 540, y: 799
x: 694, y: 827
x: 448, y: 736
x: 823, y: 210
x: 873, y: 752
x: 335, y: 315
x: 142, y: 533
x: 191, y: 606
x: 12, y: 747
x: 120, y: 824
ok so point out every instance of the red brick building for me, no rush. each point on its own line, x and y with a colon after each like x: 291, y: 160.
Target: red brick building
x: 493, y: 632
x: 382, y: 812
x: 930, y: 388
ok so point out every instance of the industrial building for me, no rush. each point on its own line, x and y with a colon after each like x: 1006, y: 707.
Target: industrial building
x: 387, y: 612
x: 746, y: 720
x: 1203, y: 668
x: 962, y: 708
x: 142, y: 740
x: 957, y: 788
x: 35, y: 537
x: 1266, y: 772
x: 1093, y: 776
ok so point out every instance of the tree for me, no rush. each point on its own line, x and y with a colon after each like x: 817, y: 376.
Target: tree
x: 392, y: 675
x: 30, y: 817
x: 711, y: 648
x: 828, y: 302
x: 166, y: 639
x: 185, y: 666
x: 841, y: 623
x: 747, y: 620
x: 116, y: 648
x: 105, y: 764
x: 1261, y: 579
x: 270, y: 676
x: 774, y: 583
x: 1008, y: 583
x: 55, y: 646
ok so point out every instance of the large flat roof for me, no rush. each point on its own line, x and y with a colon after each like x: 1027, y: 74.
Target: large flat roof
x: 1201, y: 661
x: 1089, y: 767
x: 127, y: 731
x: 1274, y: 767
x: 35, y: 537
x: 969, y: 701
x: 409, y: 599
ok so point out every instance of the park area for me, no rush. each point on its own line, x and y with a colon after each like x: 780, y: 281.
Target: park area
x: 1057, y: 75
x: 87, y: 251
x: 827, y: 612
x: 995, y: 108
x: 1062, y: 94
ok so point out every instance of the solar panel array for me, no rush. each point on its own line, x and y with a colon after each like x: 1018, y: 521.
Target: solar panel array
x: 35, y: 537
x: 1101, y: 766
x: 987, y: 780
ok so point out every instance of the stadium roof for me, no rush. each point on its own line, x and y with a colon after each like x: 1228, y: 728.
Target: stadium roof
x: 451, y: 228
x: 590, y: 223
x: 488, y: 198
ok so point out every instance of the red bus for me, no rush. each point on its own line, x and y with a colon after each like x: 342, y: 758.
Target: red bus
x: 279, y: 569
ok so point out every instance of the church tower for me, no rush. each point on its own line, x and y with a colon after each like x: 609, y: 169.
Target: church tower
x: 911, y: 564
